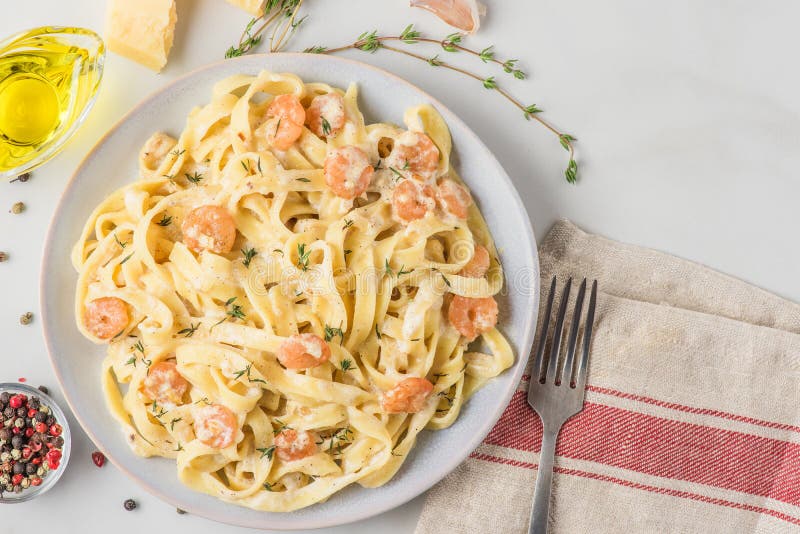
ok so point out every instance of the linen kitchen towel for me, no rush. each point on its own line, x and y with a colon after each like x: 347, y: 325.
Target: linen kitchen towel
x: 692, y: 414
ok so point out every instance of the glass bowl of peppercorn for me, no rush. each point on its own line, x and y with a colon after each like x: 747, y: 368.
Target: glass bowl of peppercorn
x: 34, y: 442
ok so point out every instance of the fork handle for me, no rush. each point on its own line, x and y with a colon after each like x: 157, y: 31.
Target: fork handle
x: 544, y: 481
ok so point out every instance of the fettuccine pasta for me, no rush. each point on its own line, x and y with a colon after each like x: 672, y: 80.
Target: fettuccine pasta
x: 288, y: 294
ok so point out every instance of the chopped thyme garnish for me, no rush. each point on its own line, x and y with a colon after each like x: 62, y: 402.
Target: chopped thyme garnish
x: 246, y: 165
x: 194, y: 178
x: 398, y: 175
x: 303, y: 179
x: 347, y: 224
x: 177, y: 152
x: 139, y: 346
x: 172, y: 423
x: 131, y: 361
x: 246, y: 373
x: 346, y: 365
x: 266, y: 452
x: 235, y: 312
x: 326, y: 126
x: 281, y: 427
x: 331, y: 333
x: 166, y: 220
x: 120, y: 243
x: 302, y: 256
x: 258, y: 165
x: 387, y: 268
x: 126, y: 258
x: 268, y: 486
x: 189, y: 332
x: 161, y: 411
x: 377, y: 332
x: 249, y: 254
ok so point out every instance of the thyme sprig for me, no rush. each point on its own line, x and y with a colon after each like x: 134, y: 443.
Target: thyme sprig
x: 266, y: 452
x: 372, y: 42
x: 232, y: 311
x: 281, y: 15
x: 246, y: 373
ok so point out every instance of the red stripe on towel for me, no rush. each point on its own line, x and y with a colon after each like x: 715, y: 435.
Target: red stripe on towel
x: 662, y: 447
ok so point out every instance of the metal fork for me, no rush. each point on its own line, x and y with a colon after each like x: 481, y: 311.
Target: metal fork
x: 557, y: 396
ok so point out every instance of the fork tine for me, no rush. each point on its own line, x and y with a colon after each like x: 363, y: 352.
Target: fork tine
x: 566, y: 374
x: 536, y: 371
x: 580, y: 376
x: 562, y: 311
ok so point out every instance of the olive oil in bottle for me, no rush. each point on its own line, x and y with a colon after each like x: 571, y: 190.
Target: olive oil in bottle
x: 48, y: 81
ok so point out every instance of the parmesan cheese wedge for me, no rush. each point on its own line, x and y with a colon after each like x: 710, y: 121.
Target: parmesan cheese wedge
x: 142, y: 30
x: 254, y: 7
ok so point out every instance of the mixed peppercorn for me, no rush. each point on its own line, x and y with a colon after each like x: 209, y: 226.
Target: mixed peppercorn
x: 30, y: 442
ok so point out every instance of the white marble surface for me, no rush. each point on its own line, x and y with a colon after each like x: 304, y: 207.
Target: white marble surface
x: 689, y: 141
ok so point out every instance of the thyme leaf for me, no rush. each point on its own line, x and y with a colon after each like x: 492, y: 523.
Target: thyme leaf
x: 189, y: 331
x: 249, y: 254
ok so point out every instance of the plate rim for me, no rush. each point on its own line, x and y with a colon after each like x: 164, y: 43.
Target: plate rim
x: 478, y: 434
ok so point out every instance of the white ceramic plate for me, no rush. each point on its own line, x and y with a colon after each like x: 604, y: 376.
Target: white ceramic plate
x: 113, y: 163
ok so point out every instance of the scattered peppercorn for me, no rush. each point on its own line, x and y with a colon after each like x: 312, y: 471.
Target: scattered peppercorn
x: 44, y: 390
x: 26, y: 318
x: 129, y: 504
x: 180, y: 512
x: 3, y: 256
x: 24, y: 177
x: 98, y: 458
x: 17, y: 208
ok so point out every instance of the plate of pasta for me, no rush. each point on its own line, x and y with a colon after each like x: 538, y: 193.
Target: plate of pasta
x: 283, y: 297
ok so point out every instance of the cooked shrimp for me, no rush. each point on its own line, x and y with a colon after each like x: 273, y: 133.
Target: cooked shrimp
x: 302, y: 351
x: 215, y: 425
x: 165, y: 384
x: 454, y: 198
x: 325, y: 115
x: 209, y: 228
x: 293, y: 445
x: 472, y: 316
x: 106, y: 317
x: 287, y: 107
x: 282, y: 133
x: 285, y: 121
x: 414, y: 152
x: 348, y: 172
x: 408, y: 396
x: 477, y: 266
x: 411, y: 200
x: 155, y: 149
